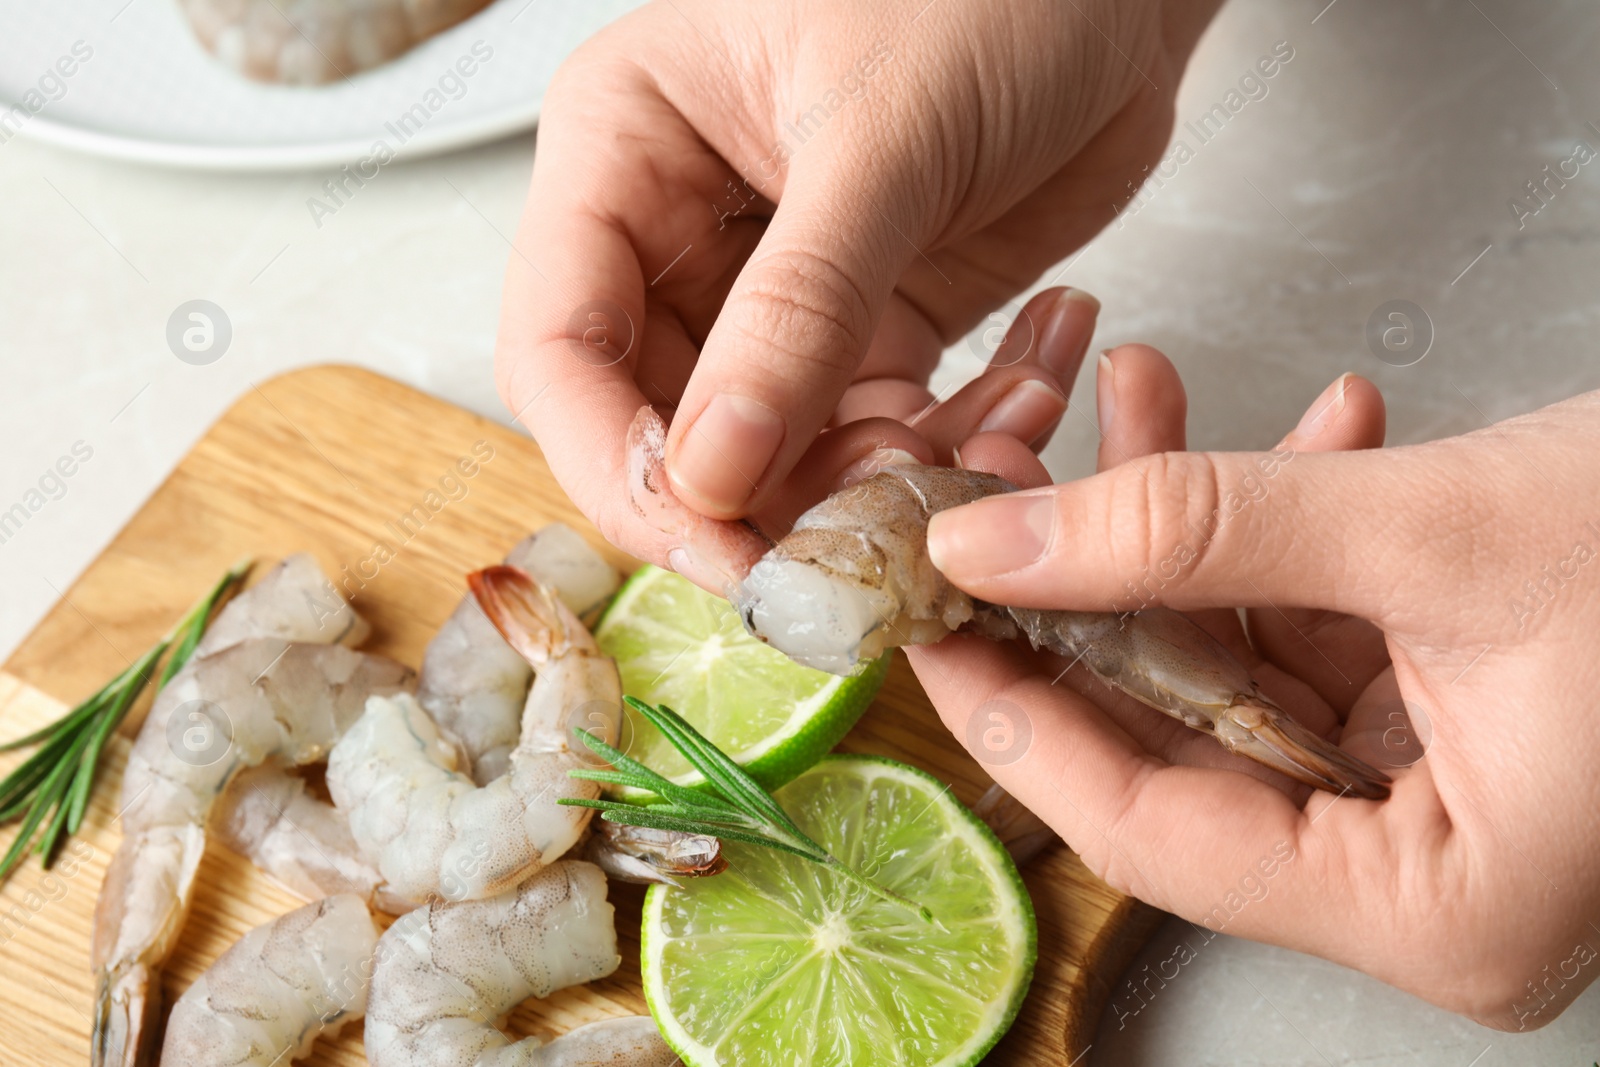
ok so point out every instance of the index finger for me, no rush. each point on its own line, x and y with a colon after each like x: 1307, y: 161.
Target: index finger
x: 574, y: 323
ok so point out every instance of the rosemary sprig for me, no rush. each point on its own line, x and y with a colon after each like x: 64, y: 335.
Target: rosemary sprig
x: 60, y: 774
x: 733, y: 807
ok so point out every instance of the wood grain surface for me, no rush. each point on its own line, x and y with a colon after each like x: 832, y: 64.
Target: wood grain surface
x: 329, y: 460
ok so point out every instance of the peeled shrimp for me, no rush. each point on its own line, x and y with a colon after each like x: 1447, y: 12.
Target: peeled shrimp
x: 242, y: 700
x: 300, y: 842
x: 473, y: 684
x: 306, y: 42
x: 853, y: 578
x: 431, y: 831
x: 277, y: 989
x: 446, y: 972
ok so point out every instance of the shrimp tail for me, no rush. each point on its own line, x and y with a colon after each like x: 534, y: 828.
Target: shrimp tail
x: 143, y: 901
x: 1257, y: 728
x: 527, y: 613
x: 126, y: 1015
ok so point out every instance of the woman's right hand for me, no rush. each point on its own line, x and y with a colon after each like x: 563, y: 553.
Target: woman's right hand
x: 1438, y: 598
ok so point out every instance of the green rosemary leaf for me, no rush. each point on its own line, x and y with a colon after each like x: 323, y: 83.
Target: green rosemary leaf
x: 60, y: 775
x: 76, y: 717
x: 640, y: 776
x: 655, y: 783
x: 49, y: 793
x: 192, y: 626
x: 585, y: 802
x: 718, y: 767
x: 736, y: 807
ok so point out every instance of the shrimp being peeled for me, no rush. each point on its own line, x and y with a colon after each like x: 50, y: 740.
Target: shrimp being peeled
x: 243, y: 700
x: 853, y: 578
x: 429, y: 828
x: 448, y: 971
x: 277, y: 989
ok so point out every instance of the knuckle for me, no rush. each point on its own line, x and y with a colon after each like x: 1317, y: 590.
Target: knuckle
x: 1159, y: 508
x: 807, y: 306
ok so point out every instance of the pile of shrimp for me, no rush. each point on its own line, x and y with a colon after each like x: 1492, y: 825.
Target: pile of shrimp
x: 443, y: 812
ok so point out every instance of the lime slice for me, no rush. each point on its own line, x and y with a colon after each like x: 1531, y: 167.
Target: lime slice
x: 779, y: 961
x: 677, y: 645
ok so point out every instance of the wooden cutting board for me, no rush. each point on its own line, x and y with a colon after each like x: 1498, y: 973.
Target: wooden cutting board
x: 329, y: 460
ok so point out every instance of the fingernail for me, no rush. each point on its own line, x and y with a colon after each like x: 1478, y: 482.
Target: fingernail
x: 1059, y: 358
x: 1325, y: 410
x: 991, y: 537
x: 1105, y: 393
x: 873, y: 463
x: 1025, y: 412
x: 693, y: 566
x: 726, y: 451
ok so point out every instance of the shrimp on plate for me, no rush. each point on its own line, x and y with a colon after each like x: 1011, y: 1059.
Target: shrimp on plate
x: 308, y: 42
x: 853, y: 578
x: 268, y: 683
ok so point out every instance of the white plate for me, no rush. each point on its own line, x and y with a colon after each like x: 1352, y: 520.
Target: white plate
x: 149, y: 92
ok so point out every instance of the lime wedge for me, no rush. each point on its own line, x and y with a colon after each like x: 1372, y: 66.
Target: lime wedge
x: 677, y: 645
x: 779, y: 961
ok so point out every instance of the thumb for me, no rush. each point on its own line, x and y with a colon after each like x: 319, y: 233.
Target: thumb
x: 1192, y: 530
x: 786, y: 345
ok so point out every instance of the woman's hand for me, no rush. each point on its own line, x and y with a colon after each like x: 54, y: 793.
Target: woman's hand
x: 769, y: 219
x: 1438, y: 598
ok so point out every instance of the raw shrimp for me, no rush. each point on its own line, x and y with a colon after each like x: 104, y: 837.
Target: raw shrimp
x: 299, y: 841
x: 425, y: 824
x: 853, y: 578
x: 446, y: 972
x: 257, y: 699
x: 306, y: 42
x: 277, y: 989
x: 643, y: 855
x: 473, y: 684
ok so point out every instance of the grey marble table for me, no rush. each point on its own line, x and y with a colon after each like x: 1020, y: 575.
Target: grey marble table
x: 1379, y: 165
